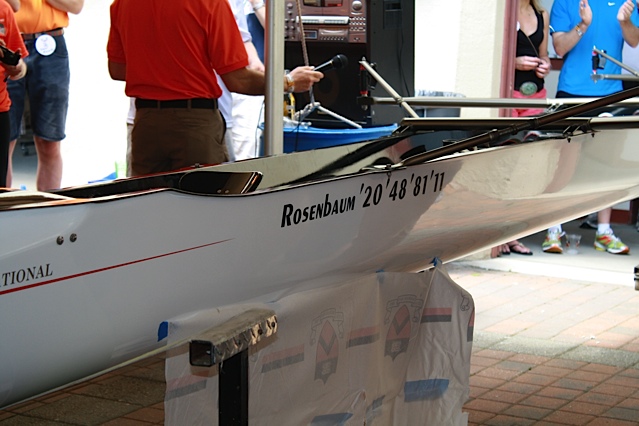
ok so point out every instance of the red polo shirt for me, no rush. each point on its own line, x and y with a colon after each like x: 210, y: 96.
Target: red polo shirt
x: 171, y: 48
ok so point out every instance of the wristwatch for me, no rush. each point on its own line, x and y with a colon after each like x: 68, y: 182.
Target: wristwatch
x: 290, y: 84
x: 579, y: 32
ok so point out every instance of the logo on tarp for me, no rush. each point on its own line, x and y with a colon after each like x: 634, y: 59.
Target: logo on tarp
x: 327, y: 351
x: 465, y: 303
x: 399, y: 330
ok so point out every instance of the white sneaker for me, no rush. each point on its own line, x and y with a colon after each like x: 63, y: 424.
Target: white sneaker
x: 552, y: 243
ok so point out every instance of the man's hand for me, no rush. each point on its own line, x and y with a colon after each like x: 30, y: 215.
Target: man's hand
x: 252, y: 82
x: 304, y: 78
x: 14, y: 72
x: 585, y: 12
x: 625, y: 11
x: 629, y: 31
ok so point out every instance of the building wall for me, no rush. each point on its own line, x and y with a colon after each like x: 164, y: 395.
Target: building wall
x: 458, y: 48
x: 96, y: 123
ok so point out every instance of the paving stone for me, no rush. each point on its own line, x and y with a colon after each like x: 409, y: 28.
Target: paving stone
x: 604, y: 356
x: 79, y: 410
x: 530, y: 346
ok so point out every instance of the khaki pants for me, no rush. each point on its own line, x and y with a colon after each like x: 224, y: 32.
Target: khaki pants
x: 173, y: 138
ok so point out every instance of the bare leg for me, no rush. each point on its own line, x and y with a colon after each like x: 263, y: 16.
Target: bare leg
x: 603, y: 216
x: 49, y: 174
x: 12, y: 146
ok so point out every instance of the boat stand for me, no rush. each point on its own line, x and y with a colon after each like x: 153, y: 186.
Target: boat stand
x: 597, y: 54
x: 228, y: 345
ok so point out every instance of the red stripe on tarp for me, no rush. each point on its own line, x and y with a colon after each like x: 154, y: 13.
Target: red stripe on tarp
x: 295, y: 350
x: 363, y: 336
x: 438, y: 311
x: 360, y: 332
x: 282, y: 359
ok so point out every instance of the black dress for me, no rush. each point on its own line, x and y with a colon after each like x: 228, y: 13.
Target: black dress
x: 529, y: 46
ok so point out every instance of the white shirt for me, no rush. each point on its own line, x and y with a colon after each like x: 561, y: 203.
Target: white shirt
x: 630, y: 57
x: 225, y: 101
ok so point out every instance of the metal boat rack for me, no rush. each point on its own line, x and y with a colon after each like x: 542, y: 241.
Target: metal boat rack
x: 229, y: 343
x: 549, y: 104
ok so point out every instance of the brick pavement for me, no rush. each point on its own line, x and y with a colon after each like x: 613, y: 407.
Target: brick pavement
x: 552, y: 351
x: 547, y: 351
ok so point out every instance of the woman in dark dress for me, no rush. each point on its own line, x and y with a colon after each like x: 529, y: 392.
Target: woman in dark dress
x: 532, y: 64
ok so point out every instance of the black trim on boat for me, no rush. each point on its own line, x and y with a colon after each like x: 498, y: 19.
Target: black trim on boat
x: 200, y: 182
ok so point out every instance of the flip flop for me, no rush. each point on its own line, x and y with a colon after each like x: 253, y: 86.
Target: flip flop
x: 518, y: 248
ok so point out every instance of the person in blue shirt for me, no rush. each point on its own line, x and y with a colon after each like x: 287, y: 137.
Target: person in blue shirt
x: 578, y: 26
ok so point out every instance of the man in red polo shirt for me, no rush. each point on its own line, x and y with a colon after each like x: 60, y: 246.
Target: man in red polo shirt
x: 166, y: 51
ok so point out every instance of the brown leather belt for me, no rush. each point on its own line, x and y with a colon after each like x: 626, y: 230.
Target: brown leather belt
x: 178, y: 103
x: 53, y: 33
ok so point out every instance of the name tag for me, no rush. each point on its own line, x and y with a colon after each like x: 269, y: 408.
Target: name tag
x: 45, y: 45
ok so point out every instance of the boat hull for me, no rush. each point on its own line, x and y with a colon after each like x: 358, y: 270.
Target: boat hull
x: 86, y: 284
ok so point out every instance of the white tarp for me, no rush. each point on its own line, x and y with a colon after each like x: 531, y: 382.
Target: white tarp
x: 384, y: 349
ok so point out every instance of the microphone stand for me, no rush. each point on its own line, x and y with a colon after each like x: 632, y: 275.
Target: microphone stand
x: 313, y: 106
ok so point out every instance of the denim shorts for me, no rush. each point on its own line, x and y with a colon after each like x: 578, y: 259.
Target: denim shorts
x: 47, y: 87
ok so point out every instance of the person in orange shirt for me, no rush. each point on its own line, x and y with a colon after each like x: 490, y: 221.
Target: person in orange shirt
x: 9, y: 38
x: 168, y: 52
x: 46, y: 84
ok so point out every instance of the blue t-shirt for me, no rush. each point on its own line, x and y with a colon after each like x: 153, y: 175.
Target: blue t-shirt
x: 604, y: 33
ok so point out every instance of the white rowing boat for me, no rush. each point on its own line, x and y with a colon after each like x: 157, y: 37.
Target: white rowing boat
x: 88, y: 274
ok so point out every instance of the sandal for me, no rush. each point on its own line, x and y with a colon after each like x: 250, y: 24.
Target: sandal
x: 518, y: 248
